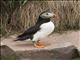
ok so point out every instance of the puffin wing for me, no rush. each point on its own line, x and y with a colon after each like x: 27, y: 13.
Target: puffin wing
x: 30, y: 31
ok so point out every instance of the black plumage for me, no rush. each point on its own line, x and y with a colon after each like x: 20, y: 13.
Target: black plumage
x: 42, y: 28
x: 28, y: 34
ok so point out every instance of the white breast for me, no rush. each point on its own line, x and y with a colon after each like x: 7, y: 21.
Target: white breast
x: 46, y: 29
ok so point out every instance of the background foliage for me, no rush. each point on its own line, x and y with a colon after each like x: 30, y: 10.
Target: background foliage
x: 17, y: 16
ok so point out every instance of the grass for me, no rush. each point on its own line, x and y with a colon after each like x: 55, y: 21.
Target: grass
x: 67, y: 12
x: 9, y: 58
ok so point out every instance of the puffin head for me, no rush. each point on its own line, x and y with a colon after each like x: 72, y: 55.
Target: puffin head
x: 47, y: 14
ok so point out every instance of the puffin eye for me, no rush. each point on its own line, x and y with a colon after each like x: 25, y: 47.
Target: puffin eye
x: 46, y: 13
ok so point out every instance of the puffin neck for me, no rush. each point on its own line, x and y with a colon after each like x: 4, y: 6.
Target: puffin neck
x: 42, y: 20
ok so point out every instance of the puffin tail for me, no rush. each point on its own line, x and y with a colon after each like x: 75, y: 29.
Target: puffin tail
x: 22, y: 38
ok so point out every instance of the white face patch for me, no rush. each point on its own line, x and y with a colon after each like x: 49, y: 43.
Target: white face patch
x: 47, y: 15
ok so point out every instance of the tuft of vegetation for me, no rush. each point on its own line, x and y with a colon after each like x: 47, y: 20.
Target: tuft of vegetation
x: 16, y: 16
x: 7, y: 10
x: 9, y: 58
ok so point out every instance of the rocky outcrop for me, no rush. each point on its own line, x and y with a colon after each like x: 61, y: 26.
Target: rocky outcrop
x: 58, y: 47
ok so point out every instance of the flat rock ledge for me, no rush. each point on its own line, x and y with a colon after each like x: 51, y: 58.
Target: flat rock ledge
x: 58, y: 47
x: 64, y: 53
x: 67, y: 51
x: 7, y: 53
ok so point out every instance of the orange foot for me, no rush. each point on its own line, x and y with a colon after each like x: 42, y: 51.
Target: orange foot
x: 39, y: 45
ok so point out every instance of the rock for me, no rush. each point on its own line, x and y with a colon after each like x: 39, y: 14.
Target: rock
x: 64, y: 53
x: 5, y: 50
x: 76, y: 58
x: 7, y: 53
x: 79, y: 47
x: 78, y: 50
x: 58, y: 47
x: 2, y: 44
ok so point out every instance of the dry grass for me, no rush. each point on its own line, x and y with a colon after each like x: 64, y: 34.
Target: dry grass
x: 67, y: 12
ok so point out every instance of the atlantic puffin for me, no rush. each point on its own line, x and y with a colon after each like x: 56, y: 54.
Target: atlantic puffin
x: 42, y: 28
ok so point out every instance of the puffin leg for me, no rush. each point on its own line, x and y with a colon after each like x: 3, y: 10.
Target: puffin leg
x: 38, y: 44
